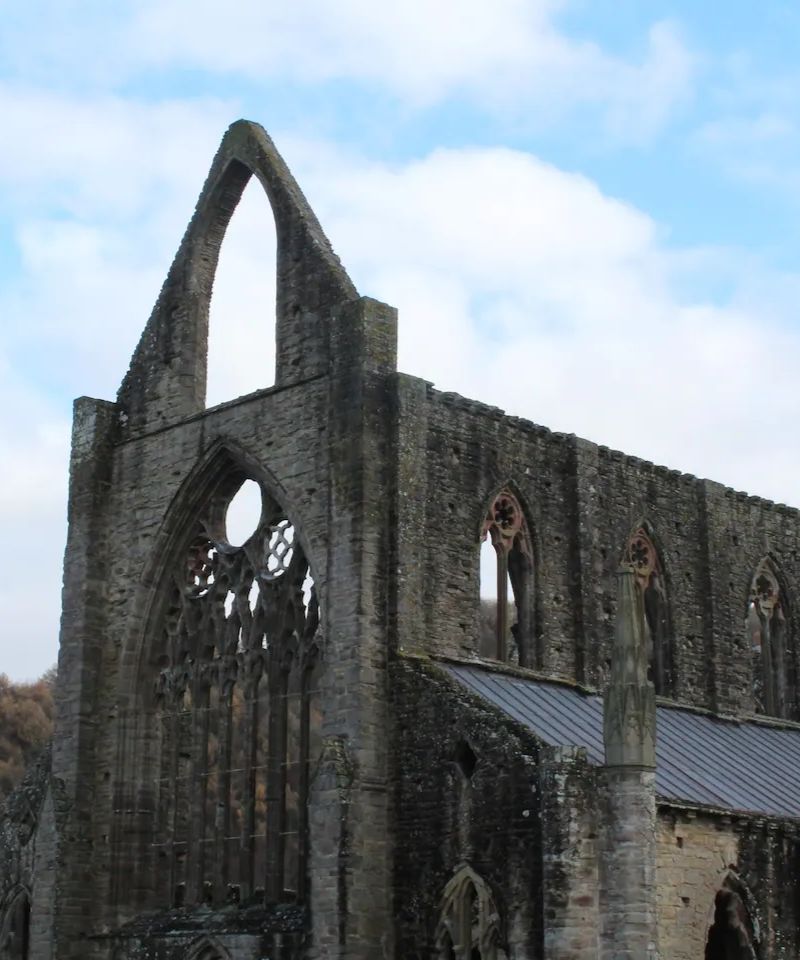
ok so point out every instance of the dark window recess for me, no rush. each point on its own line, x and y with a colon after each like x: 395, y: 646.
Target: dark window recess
x: 465, y: 758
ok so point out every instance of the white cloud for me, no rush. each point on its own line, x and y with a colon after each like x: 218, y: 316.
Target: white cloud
x: 34, y: 441
x: 517, y: 283
x: 105, y: 157
x: 750, y: 128
x: 527, y: 287
x: 513, y: 57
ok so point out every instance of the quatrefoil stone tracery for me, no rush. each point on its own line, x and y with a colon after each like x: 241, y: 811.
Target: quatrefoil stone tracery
x: 504, y: 521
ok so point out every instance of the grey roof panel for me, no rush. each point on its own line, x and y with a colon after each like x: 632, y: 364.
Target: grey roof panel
x: 742, y: 766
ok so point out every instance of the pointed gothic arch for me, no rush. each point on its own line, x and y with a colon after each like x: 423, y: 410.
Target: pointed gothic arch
x: 207, y: 948
x: 733, y: 931
x: 469, y: 926
x: 15, y: 925
x: 167, y: 378
x: 227, y: 670
x: 642, y: 554
x: 212, y: 482
x: 770, y: 637
x: 505, y: 526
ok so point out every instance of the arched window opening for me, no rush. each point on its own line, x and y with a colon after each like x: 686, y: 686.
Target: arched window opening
x: 15, y: 930
x: 641, y: 554
x: 207, y: 950
x: 469, y: 923
x: 507, y: 558
x: 732, y: 934
x: 241, y: 334
x: 236, y: 690
x: 768, y: 634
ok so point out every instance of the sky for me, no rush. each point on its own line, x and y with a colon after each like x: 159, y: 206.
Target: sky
x: 586, y: 213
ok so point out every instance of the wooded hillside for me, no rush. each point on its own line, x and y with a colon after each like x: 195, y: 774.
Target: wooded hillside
x: 26, y: 724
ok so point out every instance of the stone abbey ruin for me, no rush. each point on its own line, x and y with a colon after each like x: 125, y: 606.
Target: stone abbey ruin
x: 300, y: 746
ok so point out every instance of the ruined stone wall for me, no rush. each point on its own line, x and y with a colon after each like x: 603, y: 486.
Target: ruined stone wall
x: 273, y: 431
x: 696, y: 853
x: 316, y: 464
x: 140, y: 467
x: 31, y: 817
x: 449, y: 813
x: 582, y: 502
x: 388, y: 482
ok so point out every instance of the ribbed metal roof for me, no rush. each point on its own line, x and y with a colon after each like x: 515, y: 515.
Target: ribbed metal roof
x: 748, y: 767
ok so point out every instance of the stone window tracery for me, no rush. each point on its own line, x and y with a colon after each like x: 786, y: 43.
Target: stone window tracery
x: 15, y: 928
x: 505, y: 528
x: 469, y: 923
x: 207, y: 950
x: 641, y: 554
x: 236, y: 690
x: 766, y: 625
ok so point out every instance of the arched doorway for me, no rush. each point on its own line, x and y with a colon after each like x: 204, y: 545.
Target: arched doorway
x: 732, y: 934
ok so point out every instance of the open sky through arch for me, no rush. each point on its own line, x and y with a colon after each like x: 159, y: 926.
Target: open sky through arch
x: 587, y: 213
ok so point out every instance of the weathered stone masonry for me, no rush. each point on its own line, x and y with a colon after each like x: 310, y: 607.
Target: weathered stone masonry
x: 267, y: 749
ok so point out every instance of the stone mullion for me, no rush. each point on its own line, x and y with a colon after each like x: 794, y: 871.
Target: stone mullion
x: 166, y: 794
x: 502, y: 602
x: 276, y: 783
x: 520, y: 569
x: 303, y: 780
x: 767, y: 678
x: 464, y: 926
x: 249, y: 787
x: 182, y: 796
x: 778, y: 638
x: 195, y: 858
x: 172, y: 790
x: 222, y: 825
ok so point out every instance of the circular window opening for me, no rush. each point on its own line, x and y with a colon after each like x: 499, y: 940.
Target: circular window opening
x: 243, y: 514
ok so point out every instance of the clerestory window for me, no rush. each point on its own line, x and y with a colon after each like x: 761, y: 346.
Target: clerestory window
x: 641, y: 554
x: 506, y: 591
x: 767, y: 626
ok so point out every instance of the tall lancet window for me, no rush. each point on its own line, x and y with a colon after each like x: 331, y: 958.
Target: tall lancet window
x: 767, y: 627
x: 237, y: 677
x: 507, y: 601
x: 641, y: 554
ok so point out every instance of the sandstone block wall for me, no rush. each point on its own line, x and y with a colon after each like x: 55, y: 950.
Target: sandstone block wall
x: 695, y: 855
